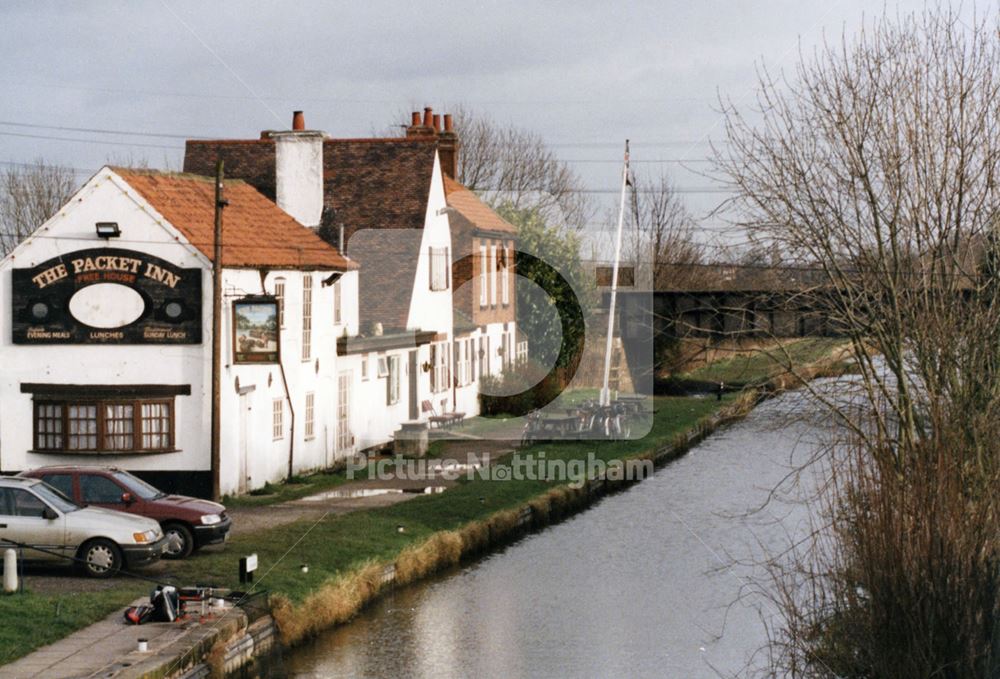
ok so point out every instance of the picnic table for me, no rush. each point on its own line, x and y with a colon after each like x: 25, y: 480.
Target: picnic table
x: 634, y: 402
x: 563, y: 424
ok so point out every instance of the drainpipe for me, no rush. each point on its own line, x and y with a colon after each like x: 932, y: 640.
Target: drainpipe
x: 291, y: 412
x: 288, y: 394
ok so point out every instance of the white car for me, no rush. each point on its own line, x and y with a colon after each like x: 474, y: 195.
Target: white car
x: 48, y: 526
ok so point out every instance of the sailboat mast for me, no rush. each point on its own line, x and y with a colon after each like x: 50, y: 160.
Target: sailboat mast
x: 605, y: 391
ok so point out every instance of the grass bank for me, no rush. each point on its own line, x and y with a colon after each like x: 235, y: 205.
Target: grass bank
x: 350, y: 556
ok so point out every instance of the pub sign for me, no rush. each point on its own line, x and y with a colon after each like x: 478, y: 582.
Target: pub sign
x: 256, y: 338
x: 106, y: 296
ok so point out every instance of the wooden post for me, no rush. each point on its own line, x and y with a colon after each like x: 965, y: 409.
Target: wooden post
x: 220, y: 203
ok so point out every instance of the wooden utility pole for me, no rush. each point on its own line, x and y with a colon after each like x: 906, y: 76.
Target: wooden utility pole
x: 220, y: 203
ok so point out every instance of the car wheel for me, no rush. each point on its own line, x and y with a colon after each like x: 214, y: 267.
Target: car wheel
x: 180, y: 541
x: 101, y: 558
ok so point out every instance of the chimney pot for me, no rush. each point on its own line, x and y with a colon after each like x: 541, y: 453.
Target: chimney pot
x: 437, y: 122
x: 428, y: 117
x: 447, y: 122
x: 298, y: 121
x: 415, y: 119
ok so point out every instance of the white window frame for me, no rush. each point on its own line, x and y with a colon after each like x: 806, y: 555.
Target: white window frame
x: 437, y: 262
x: 483, y: 287
x: 383, y: 366
x: 522, y: 351
x: 279, y: 294
x: 464, y: 360
x: 278, y: 419
x: 493, y: 275
x: 338, y: 314
x: 472, y: 360
x: 310, y: 419
x: 440, y: 363
x: 505, y: 278
x: 364, y: 369
x: 307, y: 302
x: 392, y: 388
x: 345, y: 437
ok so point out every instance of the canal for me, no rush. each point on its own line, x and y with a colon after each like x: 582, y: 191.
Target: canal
x: 656, y: 581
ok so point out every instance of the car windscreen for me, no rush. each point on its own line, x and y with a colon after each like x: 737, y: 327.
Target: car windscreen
x: 137, y: 486
x: 54, y: 498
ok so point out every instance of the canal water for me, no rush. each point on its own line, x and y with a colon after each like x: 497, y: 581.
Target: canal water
x: 656, y: 581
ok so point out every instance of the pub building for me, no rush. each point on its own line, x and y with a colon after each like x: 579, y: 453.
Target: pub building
x: 106, y: 338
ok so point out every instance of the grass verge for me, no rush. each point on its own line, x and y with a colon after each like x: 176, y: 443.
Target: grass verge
x: 348, y: 555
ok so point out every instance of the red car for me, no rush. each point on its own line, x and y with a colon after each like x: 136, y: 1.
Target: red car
x: 188, y: 523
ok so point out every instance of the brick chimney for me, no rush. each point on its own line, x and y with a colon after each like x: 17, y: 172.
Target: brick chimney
x: 299, y: 171
x: 421, y: 128
x: 448, y: 148
x: 447, y: 140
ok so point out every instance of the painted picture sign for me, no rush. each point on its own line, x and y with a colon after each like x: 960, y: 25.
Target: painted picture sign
x: 106, y: 296
x: 255, y: 330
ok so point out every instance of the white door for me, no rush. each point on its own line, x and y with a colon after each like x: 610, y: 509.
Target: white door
x: 345, y: 440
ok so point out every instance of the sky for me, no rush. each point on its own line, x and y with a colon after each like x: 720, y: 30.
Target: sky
x: 583, y: 75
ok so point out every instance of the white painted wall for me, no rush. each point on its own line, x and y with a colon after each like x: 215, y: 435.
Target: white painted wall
x: 299, y: 175
x: 375, y: 420
x: 429, y: 309
x: 106, y: 197
x: 267, y: 456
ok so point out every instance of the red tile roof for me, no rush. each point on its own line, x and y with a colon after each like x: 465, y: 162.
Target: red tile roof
x: 256, y: 232
x: 478, y: 214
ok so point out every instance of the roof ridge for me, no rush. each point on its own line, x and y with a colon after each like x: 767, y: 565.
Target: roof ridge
x: 170, y: 174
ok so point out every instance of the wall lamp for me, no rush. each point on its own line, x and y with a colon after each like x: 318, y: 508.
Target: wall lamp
x: 108, y: 230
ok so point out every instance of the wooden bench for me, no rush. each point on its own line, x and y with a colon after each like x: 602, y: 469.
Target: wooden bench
x: 445, y: 419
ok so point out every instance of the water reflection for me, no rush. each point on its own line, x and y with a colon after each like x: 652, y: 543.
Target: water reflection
x: 644, y: 585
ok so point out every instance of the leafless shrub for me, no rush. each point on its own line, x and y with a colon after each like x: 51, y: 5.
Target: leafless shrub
x: 876, y: 164
x: 29, y: 195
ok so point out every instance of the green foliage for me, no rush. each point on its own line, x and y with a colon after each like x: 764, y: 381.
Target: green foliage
x: 519, y: 390
x: 550, y: 257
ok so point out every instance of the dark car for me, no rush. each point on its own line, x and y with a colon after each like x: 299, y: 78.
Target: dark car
x: 188, y: 523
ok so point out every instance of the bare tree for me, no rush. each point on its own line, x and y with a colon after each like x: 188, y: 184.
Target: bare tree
x: 660, y: 235
x: 513, y: 166
x: 29, y: 195
x: 877, y: 164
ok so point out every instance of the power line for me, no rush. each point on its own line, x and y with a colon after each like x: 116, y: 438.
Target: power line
x: 340, y: 100
x: 688, y: 189
x: 129, y: 133
x: 632, y: 161
x: 89, y: 141
x: 185, y: 136
x: 219, y: 58
x: 10, y: 163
